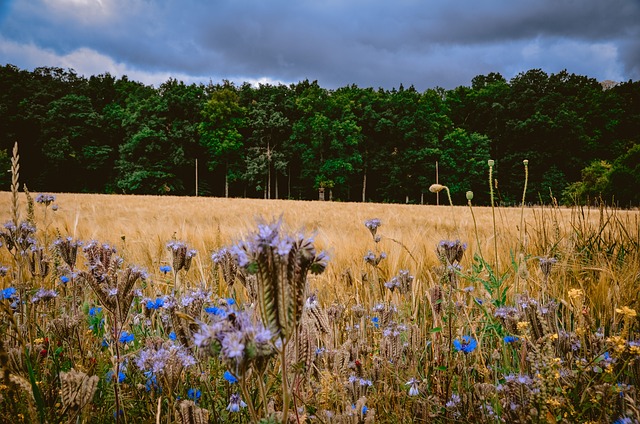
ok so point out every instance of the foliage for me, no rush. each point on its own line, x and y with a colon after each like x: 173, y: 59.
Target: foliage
x: 104, y: 134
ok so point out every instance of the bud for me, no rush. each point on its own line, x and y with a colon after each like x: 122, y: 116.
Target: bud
x: 490, y: 162
x: 525, y: 162
x: 435, y: 188
x: 469, y: 195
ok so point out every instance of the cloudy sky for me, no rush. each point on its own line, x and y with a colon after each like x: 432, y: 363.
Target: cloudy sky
x: 371, y: 43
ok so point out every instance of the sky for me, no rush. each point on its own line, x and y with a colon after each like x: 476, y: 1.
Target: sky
x: 370, y: 43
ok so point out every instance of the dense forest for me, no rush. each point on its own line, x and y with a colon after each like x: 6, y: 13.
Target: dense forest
x: 112, y: 135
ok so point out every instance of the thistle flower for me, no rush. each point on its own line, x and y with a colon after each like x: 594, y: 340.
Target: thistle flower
x: 466, y: 345
x: 235, y: 403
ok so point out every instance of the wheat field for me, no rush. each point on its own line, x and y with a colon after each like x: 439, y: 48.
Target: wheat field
x: 416, y: 351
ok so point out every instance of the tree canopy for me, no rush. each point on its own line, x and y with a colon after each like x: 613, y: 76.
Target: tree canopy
x: 112, y: 135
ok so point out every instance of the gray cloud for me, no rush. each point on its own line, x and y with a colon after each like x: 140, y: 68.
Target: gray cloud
x: 369, y: 43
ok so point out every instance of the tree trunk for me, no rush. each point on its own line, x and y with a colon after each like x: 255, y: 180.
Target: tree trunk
x: 226, y: 183
x: 364, y: 187
x: 275, y: 177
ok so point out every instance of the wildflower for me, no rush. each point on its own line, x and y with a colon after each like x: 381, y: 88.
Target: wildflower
x: 510, y: 339
x: 230, y: 377
x: 450, y: 252
x: 110, y: 374
x: 3, y: 269
x: 126, y: 337
x: 95, y: 310
x: 45, y: 199
x: 413, y: 387
x: 230, y: 301
x: 64, y: 279
x: 454, y: 401
x: 466, y: 345
x: 372, y: 225
x: 182, y: 255
x: 172, y: 336
x: 44, y: 295
x: 165, y: 269
x: 376, y: 322
x: 7, y: 293
x: 152, y: 382
x: 546, y: 264
x: 157, y: 304
x: 235, y: 403
x: 194, y: 394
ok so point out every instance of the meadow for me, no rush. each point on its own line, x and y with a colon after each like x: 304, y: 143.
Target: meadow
x: 172, y: 309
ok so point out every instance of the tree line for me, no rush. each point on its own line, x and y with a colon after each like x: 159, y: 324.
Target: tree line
x: 104, y: 134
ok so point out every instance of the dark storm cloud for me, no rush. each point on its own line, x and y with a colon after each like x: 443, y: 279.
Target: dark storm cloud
x: 369, y: 43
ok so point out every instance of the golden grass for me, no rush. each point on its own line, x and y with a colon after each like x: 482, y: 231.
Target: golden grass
x: 140, y: 227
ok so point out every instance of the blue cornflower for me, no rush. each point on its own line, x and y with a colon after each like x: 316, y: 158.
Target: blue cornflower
x: 165, y: 268
x: 126, y: 337
x: 510, y: 339
x: 230, y: 301
x: 194, y: 394
x: 152, y: 382
x: 376, y: 322
x: 121, y: 376
x: 230, y: 377
x: 172, y: 336
x: 94, y: 311
x: 364, y: 409
x: 215, y: 311
x: 7, y: 293
x: 64, y: 279
x: 467, y: 345
x: 157, y: 304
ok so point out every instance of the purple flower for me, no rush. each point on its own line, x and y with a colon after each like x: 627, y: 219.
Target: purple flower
x: 413, y: 387
x: 466, y: 345
x: 45, y: 199
x: 235, y: 403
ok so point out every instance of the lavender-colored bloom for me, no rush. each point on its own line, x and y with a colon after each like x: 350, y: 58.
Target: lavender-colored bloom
x: 232, y: 346
x: 454, y: 401
x: 466, y: 345
x: 3, y: 269
x: 413, y: 387
x: 230, y: 377
x: 373, y: 225
x: 44, y: 295
x: 45, y: 199
x: 235, y: 403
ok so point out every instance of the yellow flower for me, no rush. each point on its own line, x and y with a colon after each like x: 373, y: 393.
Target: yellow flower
x: 523, y: 325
